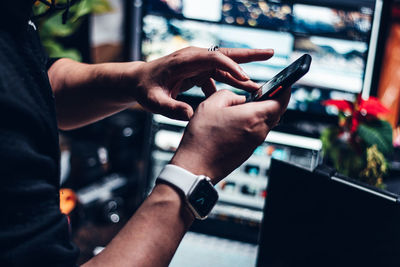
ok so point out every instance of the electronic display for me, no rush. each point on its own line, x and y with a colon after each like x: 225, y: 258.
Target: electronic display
x: 203, y: 198
x: 283, y: 80
x: 334, y: 22
x: 165, y: 36
x: 337, y: 34
x: 321, y: 218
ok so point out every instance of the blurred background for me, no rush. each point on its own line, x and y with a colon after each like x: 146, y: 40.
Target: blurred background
x: 109, y: 167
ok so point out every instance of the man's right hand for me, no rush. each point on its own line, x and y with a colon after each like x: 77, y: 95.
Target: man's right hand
x: 221, y: 135
x: 224, y: 132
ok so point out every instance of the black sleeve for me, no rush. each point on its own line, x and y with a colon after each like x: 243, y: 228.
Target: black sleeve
x: 33, y: 232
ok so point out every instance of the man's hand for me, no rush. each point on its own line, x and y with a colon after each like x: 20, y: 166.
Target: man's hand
x: 221, y: 135
x: 161, y: 80
x: 224, y: 132
x: 86, y: 93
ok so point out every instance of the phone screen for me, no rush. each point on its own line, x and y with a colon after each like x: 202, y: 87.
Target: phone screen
x: 283, y: 79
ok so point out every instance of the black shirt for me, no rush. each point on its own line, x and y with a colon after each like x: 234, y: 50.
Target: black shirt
x: 33, y: 232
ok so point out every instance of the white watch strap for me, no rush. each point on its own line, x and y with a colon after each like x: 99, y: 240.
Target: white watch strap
x: 179, y: 177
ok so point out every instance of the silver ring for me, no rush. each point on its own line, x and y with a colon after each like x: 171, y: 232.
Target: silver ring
x: 213, y: 48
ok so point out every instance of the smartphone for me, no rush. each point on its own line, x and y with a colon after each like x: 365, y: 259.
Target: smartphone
x: 283, y: 80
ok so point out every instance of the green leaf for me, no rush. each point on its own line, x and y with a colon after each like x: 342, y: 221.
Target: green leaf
x: 378, y: 132
x: 39, y: 9
x: 56, y: 50
x: 80, y: 9
x: 54, y: 26
x: 86, y: 7
x: 52, y: 30
x: 101, y: 6
x: 328, y: 136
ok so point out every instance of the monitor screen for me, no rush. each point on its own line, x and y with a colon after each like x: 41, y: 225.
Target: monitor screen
x: 320, y: 218
x: 341, y: 37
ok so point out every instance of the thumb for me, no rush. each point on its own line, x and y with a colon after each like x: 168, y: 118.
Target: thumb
x: 174, y: 109
x: 226, y: 98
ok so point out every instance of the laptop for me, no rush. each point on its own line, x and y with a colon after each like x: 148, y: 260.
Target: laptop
x: 321, y: 218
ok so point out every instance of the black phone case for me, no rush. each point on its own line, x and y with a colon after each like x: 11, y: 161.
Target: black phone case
x: 301, y: 67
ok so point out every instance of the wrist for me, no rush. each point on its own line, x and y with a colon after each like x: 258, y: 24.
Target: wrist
x: 194, y: 164
x: 131, y: 77
x: 169, y: 197
x: 120, y: 79
x: 197, y: 191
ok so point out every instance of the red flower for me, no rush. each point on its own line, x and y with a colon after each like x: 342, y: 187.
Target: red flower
x: 360, y: 111
x: 342, y: 105
x: 372, y: 106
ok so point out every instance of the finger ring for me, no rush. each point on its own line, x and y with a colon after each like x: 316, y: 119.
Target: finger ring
x: 213, y: 48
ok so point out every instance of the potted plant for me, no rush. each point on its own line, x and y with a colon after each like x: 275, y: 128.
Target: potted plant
x: 361, y: 142
x: 57, y: 23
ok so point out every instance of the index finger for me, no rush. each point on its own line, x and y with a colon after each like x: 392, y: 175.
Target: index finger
x: 194, y: 61
x: 244, y: 55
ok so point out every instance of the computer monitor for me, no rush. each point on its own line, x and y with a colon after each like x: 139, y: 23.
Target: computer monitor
x: 343, y: 37
x: 320, y: 218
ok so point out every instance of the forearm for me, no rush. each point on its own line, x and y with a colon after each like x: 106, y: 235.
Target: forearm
x: 152, y: 235
x: 86, y: 93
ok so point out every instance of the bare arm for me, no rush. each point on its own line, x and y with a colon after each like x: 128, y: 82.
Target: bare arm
x: 85, y: 93
x: 151, y: 236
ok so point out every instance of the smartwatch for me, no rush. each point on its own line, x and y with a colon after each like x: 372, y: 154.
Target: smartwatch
x: 198, y: 191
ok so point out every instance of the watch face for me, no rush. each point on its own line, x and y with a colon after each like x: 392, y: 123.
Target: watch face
x: 203, y: 198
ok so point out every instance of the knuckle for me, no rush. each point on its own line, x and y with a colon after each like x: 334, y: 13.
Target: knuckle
x: 225, y: 92
x: 228, y: 52
x: 203, y: 105
x: 215, y: 56
x: 181, y: 56
x: 151, y: 95
x: 249, y: 126
x: 260, y: 114
x: 153, y: 102
x: 255, y: 129
x: 175, y: 59
x: 156, y: 101
x: 224, y: 75
x: 253, y: 122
